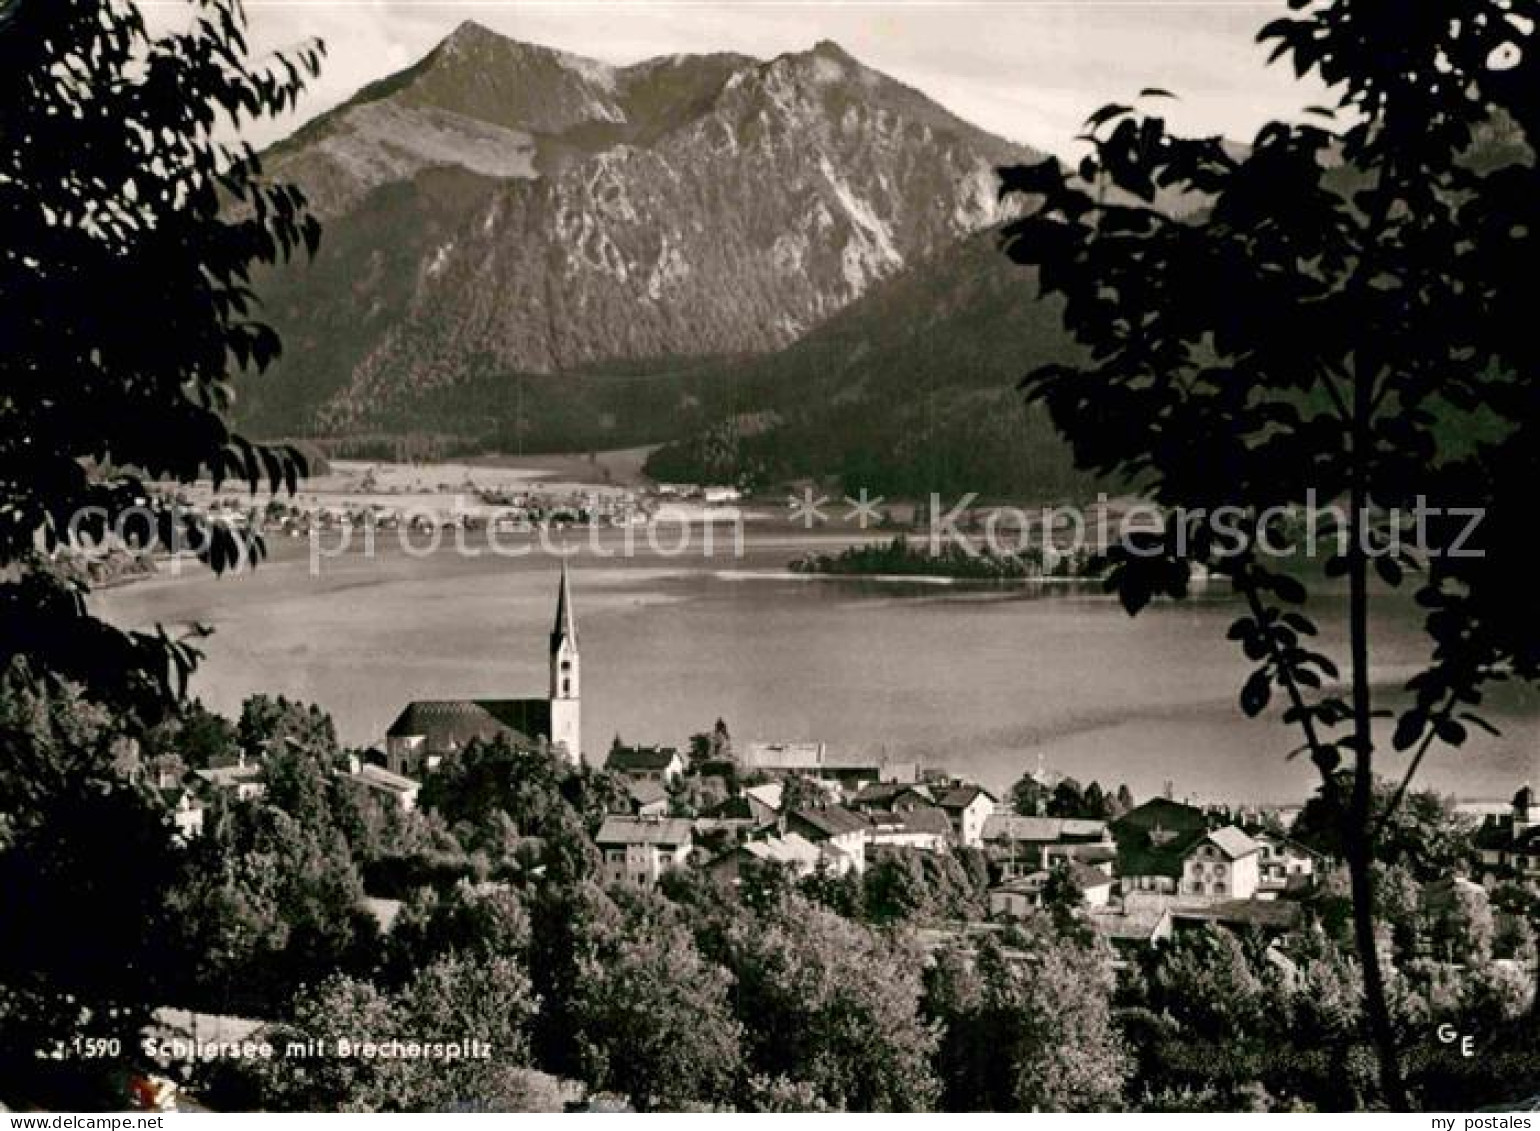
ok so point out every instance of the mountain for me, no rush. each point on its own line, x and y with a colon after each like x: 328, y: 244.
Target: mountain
x: 513, y: 233
x: 909, y: 390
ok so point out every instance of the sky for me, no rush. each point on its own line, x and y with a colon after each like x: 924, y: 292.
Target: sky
x: 1028, y: 70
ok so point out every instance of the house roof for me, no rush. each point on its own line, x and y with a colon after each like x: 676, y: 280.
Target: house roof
x: 667, y: 831
x: 1173, y: 816
x: 1129, y: 925
x: 1279, y: 840
x: 961, y: 797
x: 1085, y: 876
x: 783, y: 755
x: 767, y: 794
x: 381, y: 778
x: 455, y: 723
x: 623, y: 758
x: 1279, y: 914
x: 230, y: 775
x: 831, y: 822
x: 789, y: 848
x: 882, y: 794
x: 925, y: 821
x: 1041, y: 830
x: 646, y: 792
x: 1231, y: 841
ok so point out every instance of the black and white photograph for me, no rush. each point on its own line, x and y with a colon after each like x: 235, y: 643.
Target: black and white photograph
x: 769, y: 556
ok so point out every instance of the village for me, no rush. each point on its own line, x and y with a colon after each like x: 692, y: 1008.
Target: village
x: 1137, y: 873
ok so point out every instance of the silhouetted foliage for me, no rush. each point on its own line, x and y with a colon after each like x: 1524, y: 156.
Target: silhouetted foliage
x: 1338, y: 322
x: 130, y: 233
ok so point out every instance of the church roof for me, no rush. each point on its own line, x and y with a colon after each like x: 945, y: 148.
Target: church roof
x: 446, y: 723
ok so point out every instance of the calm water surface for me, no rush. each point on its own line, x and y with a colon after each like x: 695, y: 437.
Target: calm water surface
x: 982, y: 680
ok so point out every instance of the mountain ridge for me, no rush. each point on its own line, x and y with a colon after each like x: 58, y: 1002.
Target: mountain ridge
x: 507, y: 209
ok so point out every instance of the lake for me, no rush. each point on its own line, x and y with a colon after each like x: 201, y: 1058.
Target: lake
x: 985, y: 681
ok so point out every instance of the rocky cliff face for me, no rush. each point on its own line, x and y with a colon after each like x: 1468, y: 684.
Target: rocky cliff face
x: 503, y: 209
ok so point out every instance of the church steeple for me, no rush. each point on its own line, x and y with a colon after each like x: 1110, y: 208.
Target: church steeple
x: 565, y: 627
x: 566, y: 675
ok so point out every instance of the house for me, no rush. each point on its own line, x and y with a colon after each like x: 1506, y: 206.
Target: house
x: 967, y: 806
x: 892, y: 797
x: 1016, y: 898
x: 395, y: 790
x: 186, y: 811
x: 1508, y: 844
x: 1223, y: 864
x: 661, y: 764
x: 850, y: 773
x: 758, y: 805
x: 428, y: 730
x: 1152, y: 840
x: 242, y: 781
x: 1130, y: 930
x: 647, y: 799
x: 638, y: 850
x: 839, y: 835
x: 928, y: 829
x: 1023, y: 845
x: 764, y: 800
x: 1285, y: 865
x: 790, y: 850
x: 1270, y: 917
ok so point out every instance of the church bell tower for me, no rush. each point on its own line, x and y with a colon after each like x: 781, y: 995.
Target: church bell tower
x: 566, y: 675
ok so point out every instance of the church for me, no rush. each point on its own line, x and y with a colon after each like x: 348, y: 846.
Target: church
x: 428, y: 729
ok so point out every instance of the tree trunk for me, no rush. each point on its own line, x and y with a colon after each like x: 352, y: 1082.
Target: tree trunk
x: 1360, y: 836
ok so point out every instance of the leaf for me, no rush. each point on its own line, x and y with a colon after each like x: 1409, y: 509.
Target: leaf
x: 1409, y: 729
x: 1106, y: 114
x: 1482, y: 724
x: 1256, y: 693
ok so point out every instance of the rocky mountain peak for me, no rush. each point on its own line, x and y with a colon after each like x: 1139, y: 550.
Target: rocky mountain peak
x: 507, y: 208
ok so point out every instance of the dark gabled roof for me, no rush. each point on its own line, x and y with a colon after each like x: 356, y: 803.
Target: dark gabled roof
x: 623, y: 758
x: 831, y: 822
x: 454, y: 723
x: 1138, y: 857
x: 961, y: 797
x: 1172, y: 816
x: 668, y: 831
x: 1276, y: 914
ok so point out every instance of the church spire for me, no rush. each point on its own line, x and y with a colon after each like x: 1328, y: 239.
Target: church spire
x: 566, y: 676
x: 565, y: 628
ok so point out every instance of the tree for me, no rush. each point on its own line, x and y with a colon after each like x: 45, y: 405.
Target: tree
x: 84, y: 953
x: 1333, y: 319
x: 652, y: 1018
x: 268, y: 723
x: 447, y: 1003
x: 123, y: 210
x: 834, y: 1005
x: 1034, y: 1035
